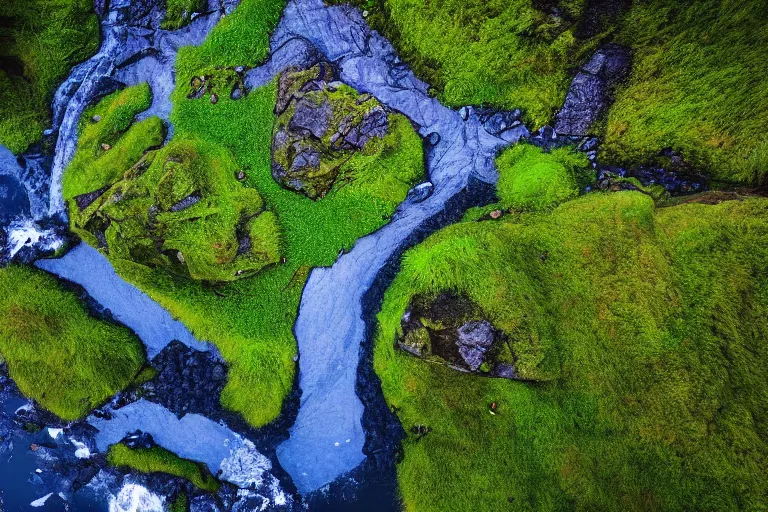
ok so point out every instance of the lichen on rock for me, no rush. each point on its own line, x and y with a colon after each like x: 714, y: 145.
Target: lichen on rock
x: 321, y: 123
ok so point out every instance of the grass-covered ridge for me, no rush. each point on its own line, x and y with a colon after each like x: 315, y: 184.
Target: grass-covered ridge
x: 160, y: 460
x: 40, y: 41
x: 697, y: 85
x: 652, y: 325
x: 66, y: 360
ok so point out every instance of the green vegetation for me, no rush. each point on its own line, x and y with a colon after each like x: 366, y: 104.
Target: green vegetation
x: 643, y: 332
x: 696, y: 86
x: 40, y: 40
x: 179, y: 13
x: 66, y: 360
x: 181, y: 503
x: 110, y: 142
x: 251, y: 320
x: 160, y: 460
x: 506, y: 53
x: 530, y: 179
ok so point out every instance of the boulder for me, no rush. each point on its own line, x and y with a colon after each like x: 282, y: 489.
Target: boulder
x: 320, y: 124
x: 450, y: 329
x: 590, y: 91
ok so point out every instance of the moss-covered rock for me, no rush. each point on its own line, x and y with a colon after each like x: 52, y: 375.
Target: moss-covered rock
x: 180, y: 207
x: 320, y: 125
x: 451, y: 329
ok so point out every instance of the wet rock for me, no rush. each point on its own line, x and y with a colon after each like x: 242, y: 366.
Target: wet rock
x: 188, y: 381
x: 590, y: 91
x: 420, y: 192
x: 85, y: 200
x: 96, y: 118
x: 311, y: 117
x: 236, y: 93
x: 139, y: 440
x: 433, y: 139
x: 450, y: 329
x: 187, y: 202
x: 474, y: 340
x: 214, y: 99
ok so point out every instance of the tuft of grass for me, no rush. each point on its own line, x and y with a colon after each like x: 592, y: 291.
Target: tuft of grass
x: 160, y: 460
x: 181, y: 503
x: 40, y: 41
x: 58, y: 355
x: 643, y: 331
x: 696, y: 86
x: 179, y: 13
x: 530, y: 179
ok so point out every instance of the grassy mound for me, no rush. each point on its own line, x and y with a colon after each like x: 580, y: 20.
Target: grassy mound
x: 66, y: 360
x: 651, y: 325
x: 40, y: 40
x: 695, y: 87
x: 530, y: 179
x: 110, y: 142
x: 160, y: 460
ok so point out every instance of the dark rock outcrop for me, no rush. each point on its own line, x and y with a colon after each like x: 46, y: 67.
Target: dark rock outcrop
x: 591, y: 90
x: 188, y: 381
x: 321, y: 123
x: 450, y: 329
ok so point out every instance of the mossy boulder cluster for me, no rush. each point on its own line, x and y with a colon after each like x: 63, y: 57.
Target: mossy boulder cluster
x: 321, y: 124
x: 179, y: 206
x: 451, y: 329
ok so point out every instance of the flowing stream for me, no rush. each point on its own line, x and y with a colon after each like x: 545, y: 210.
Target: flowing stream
x: 328, y: 438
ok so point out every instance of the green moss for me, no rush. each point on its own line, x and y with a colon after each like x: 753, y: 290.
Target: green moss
x: 179, y: 13
x: 66, y: 360
x: 109, y: 147
x: 695, y: 87
x: 181, y: 503
x: 650, y: 321
x: 506, y: 53
x: 160, y: 460
x: 44, y: 39
x: 530, y: 179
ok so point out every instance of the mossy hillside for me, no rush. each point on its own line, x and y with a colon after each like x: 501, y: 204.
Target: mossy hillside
x: 509, y: 54
x: 110, y: 142
x: 58, y: 355
x: 696, y: 86
x: 652, y: 324
x: 40, y: 41
x: 178, y: 13
x: 160, y: 460
x: 179, y: 207
x: 530, y: 179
